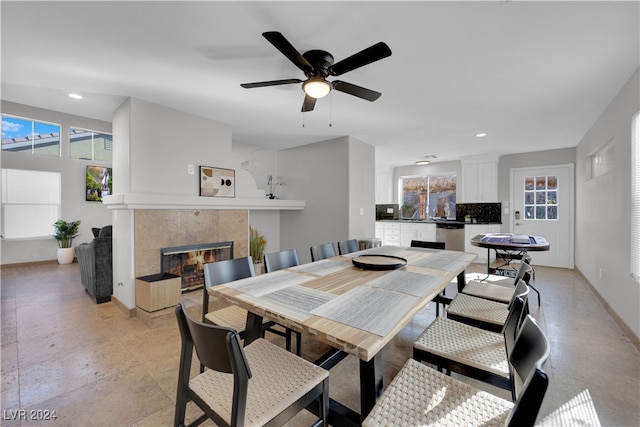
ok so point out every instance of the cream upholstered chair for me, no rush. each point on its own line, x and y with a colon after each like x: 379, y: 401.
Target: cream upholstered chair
x: 326, y: 250
x: 484, y: 313
x: 420, y: 395
x: 260, y: 384
x: 470, y: 351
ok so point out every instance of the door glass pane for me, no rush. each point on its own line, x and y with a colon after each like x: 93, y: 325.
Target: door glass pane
x: 552, y: 197
x: 541, y: 212
x: 552, y: 182
x: 528, y: 183
x: 529, y: 198
x: 552, y: 212
x: 528, y: 212
x: 541, y: 198
x: 541, y: 183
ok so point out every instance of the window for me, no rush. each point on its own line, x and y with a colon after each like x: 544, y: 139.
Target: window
x: 635, y: 197
x: 30, y: 203
x: 424, y: 197
x: 541, y: 197
x: 601, y: 161
x: 89, y: 145
x: 29, y: 136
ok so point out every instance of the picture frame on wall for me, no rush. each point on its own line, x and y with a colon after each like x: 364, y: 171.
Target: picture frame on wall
x: 98, y: 183
x: 217, y: 182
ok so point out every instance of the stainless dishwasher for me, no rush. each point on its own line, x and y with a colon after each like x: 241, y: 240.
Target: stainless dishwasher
x: 452, y: 234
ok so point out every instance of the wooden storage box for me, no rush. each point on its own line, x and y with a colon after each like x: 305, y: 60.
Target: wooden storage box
x: 158, y: 291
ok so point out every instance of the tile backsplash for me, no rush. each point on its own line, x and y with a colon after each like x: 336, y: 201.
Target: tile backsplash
x: 481, y: 212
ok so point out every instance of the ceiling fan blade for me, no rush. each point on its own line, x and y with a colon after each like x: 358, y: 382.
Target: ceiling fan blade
x: 308, y: 104
x: 360, y: 92
x: 287, y: 49
x: 367, y: 56
x: 270, y: 83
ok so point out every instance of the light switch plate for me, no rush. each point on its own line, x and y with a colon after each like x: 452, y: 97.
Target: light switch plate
x: 190, y: 169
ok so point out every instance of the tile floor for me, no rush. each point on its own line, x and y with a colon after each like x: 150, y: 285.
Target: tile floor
x: 94, y: 367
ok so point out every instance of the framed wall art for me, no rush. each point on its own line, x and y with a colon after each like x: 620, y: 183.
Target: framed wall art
x: 217, y: 182
x: 98, y: 183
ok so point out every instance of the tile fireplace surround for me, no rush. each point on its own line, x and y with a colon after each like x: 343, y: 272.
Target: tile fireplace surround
x: 160, y: 228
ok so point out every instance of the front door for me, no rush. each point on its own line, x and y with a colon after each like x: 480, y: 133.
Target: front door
x: 542, y: 201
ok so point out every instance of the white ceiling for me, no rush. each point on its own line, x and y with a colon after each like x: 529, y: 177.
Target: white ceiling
x: 533, y: 75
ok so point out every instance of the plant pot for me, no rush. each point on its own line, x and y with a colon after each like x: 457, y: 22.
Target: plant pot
x: 65, y: 255
x: 259, y: 268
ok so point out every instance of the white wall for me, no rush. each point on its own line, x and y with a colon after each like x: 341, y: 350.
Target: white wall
x: 603, y: 211
x: 362, y: 189
x: 319, y: 174
x: 164, y: 141
x: 74, y: 206
x: 327, y: 175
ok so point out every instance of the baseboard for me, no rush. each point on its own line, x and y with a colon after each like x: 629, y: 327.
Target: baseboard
x: 33, y: 263
x: 625, y: 328
x: 129, y: 312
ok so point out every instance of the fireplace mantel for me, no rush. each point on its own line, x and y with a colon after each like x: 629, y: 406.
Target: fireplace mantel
x: 168, y: 201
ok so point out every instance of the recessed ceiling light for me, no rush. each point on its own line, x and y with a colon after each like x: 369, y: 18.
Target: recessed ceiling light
x: 422, y: 162
x: 481, y: 135
x: 75, y: 96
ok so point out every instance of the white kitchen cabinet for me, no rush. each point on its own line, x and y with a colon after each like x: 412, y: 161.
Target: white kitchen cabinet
x: 417, y: 231
x: 472, y: 230
x: 398, y: 233
x: 392, y: 234
x: 480, y: 179
x: 389, y: 232
x: 380, y: 231
x: 383, y: 187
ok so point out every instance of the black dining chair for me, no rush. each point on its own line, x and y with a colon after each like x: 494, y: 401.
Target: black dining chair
x: 441, y: 297
x: 470, y: 351
x: 427, y: 245
x: 483, y: 313
x: 498, y: 288
x: 260, y: 384
x: 326, y: 250
x: 232, y: 316
x: 348, y: 246
x: 420, y: 395
x: 274, y: 261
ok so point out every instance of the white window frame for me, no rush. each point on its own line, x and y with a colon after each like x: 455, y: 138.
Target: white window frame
x: 635, y: 197
x: 31, y: 203
x: 31, y: 139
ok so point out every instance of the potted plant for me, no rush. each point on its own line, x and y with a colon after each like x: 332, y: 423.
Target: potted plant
x: 257, y: 243
x: 64, y: 234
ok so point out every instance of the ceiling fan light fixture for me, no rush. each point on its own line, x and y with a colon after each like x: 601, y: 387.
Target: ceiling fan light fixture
x: 316, y: 87
x: 422, y: 162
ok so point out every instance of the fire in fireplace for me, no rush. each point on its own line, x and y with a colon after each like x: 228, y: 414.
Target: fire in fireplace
x: 188, y: 261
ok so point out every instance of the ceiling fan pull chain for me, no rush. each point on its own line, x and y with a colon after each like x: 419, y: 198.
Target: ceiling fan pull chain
x: 330, y: 109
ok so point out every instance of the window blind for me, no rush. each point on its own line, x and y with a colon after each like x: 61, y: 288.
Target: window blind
x: 635, y: 197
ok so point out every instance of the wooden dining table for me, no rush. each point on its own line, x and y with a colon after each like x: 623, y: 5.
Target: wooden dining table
x: 355, y: 310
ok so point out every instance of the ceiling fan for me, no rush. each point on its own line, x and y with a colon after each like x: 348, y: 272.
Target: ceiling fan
x: 317, y: 65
